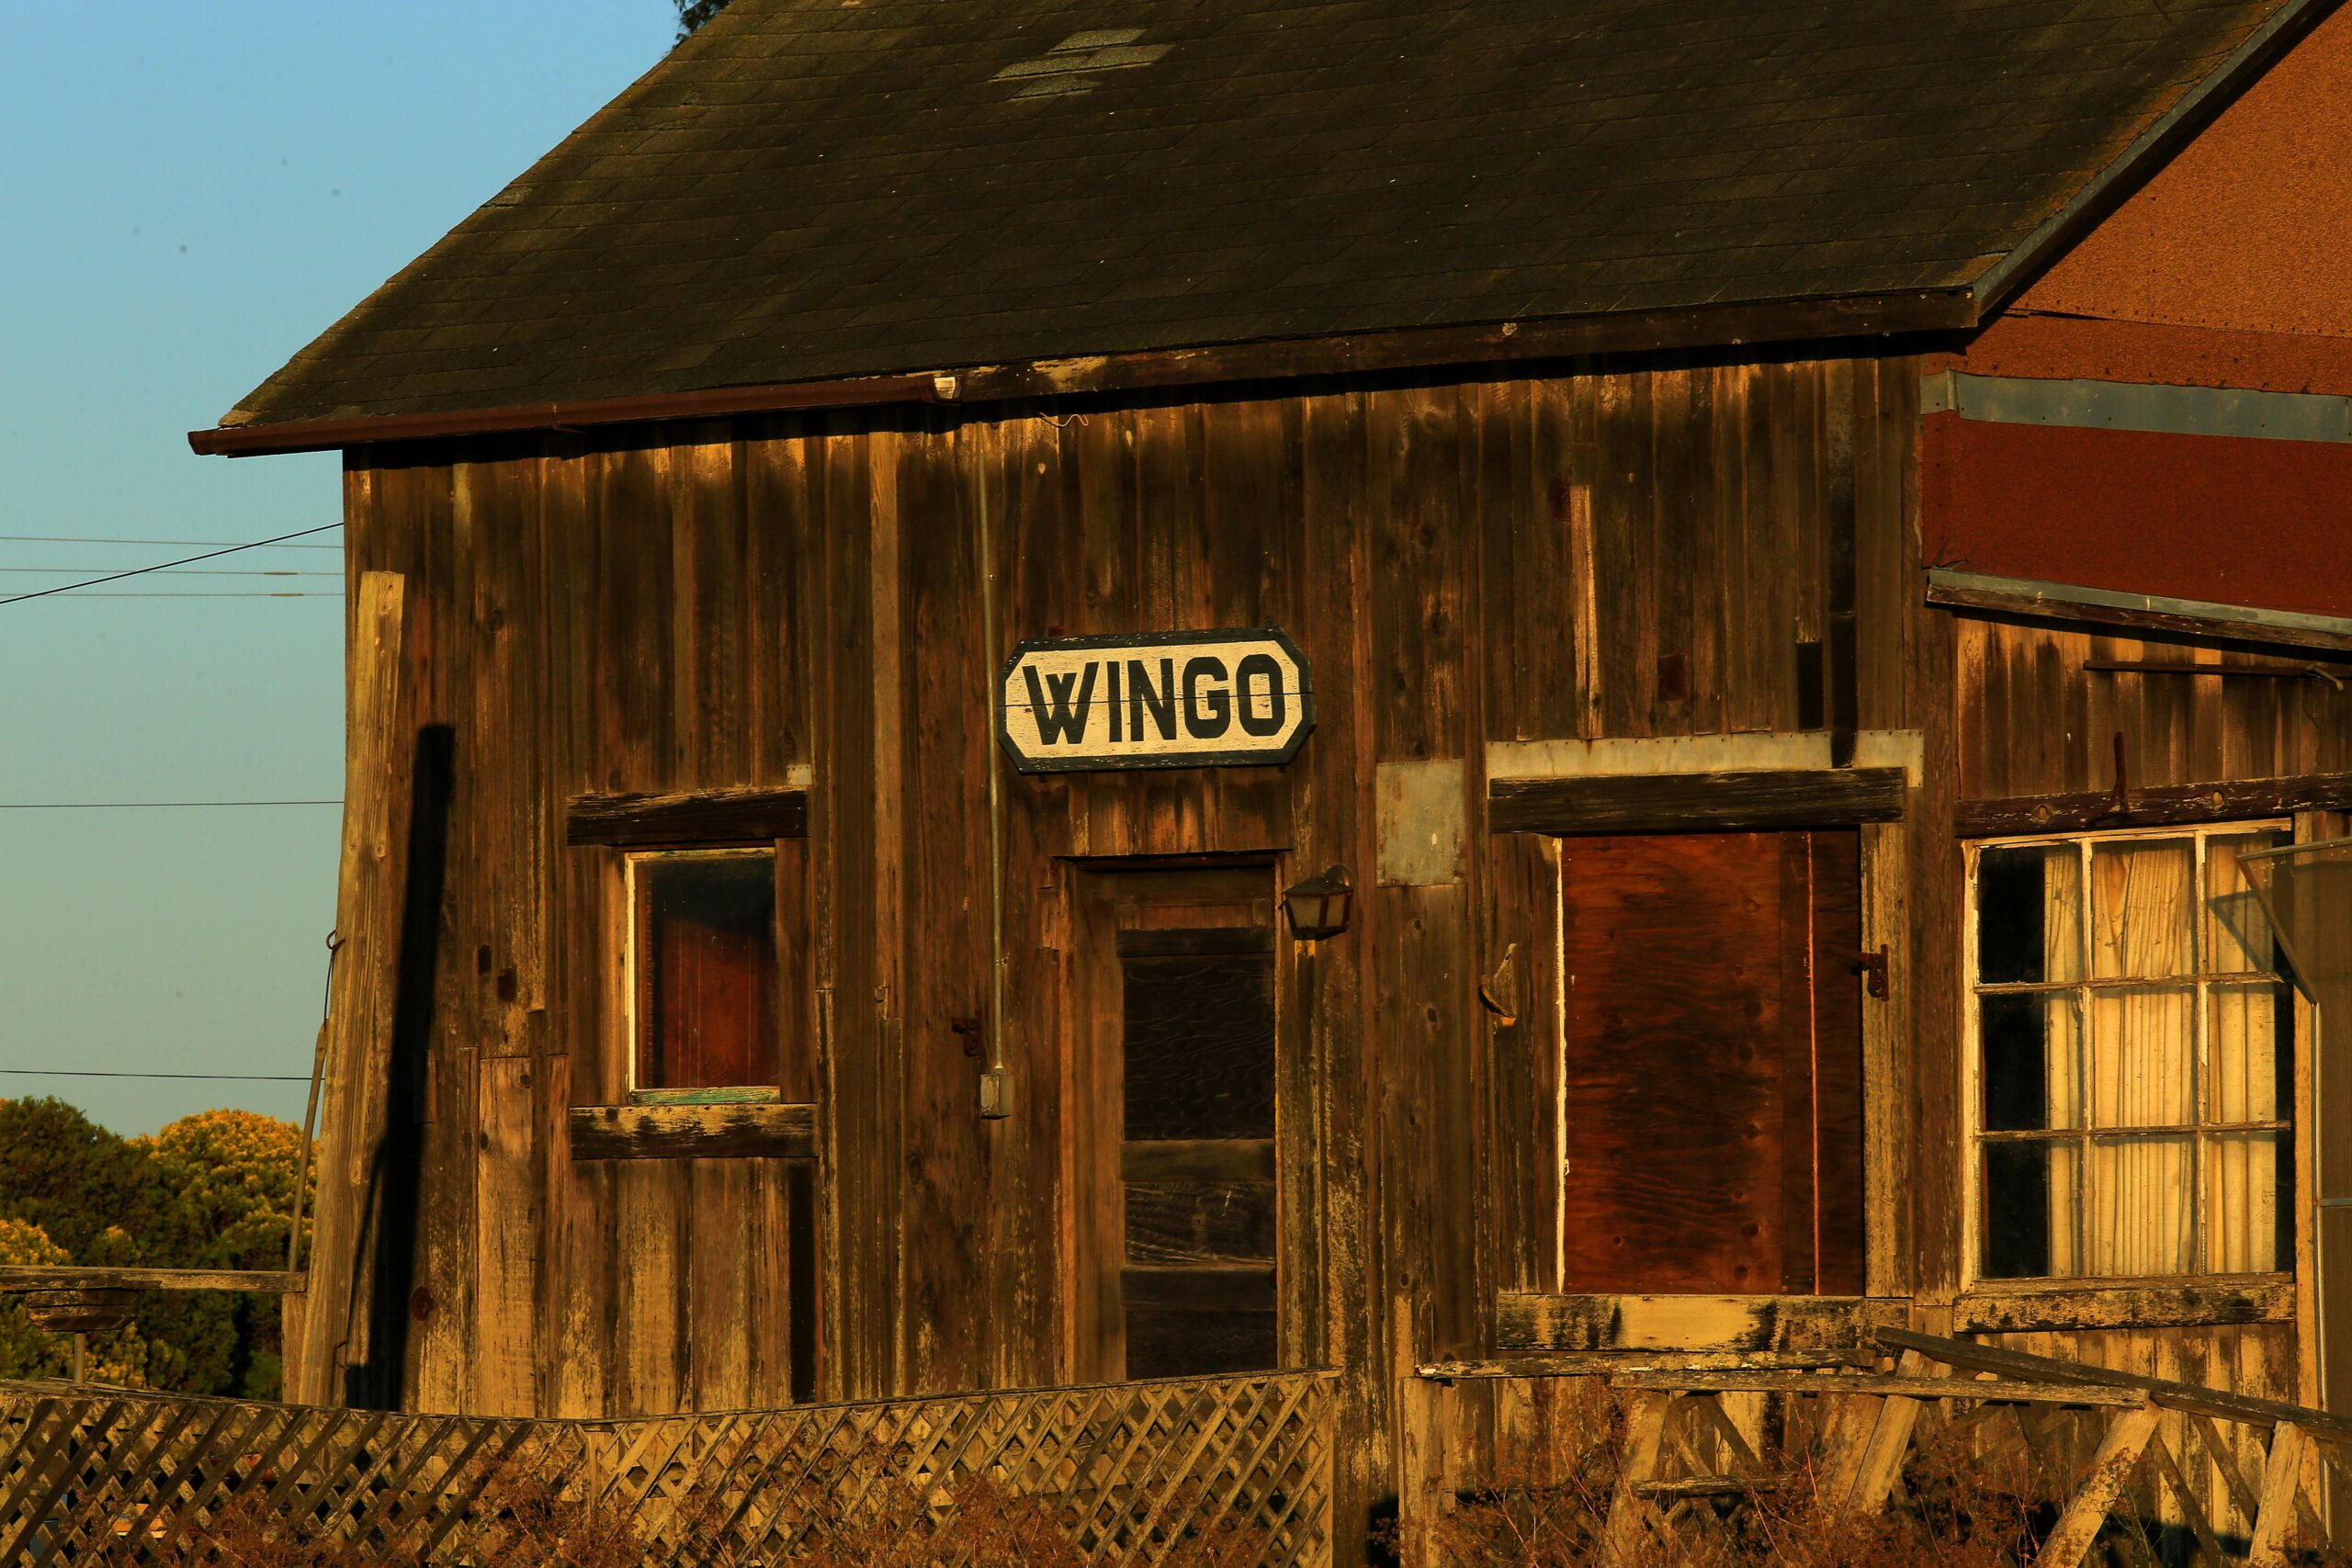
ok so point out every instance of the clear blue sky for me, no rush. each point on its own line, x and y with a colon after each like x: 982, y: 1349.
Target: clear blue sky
x: 196, y: 189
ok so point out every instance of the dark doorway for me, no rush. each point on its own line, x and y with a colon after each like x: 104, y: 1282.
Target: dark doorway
x: 1172, y: 1095
x: 1713, y: 1063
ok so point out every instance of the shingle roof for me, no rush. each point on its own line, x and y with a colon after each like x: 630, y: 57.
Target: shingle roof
x: 820, y: 188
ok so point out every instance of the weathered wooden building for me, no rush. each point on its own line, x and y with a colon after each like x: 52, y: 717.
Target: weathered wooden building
x: 1783, y: 553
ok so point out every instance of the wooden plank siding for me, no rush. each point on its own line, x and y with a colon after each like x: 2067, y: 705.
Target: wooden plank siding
x: 794, y: 601
x: 2032, y: 722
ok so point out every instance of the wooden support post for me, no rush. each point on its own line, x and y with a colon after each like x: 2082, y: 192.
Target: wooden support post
x: 2112, y: 1467
x: 1645, y: 1414
x: 378, y: 752
x: 1877, y: 1464
x: 2282, y: 1478
x: 1853, y: 1438
x: 1420, y: 1471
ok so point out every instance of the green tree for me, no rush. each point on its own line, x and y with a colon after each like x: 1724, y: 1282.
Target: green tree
x: 27, y: 1351
x: 212, y: 1191
x: 118, y: 1357
x: 229, y: 1178
x: 693, y: 14
x: 77, y: 1181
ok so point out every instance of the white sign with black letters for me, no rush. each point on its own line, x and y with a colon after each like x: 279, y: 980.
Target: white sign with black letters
x: 1165, y: 700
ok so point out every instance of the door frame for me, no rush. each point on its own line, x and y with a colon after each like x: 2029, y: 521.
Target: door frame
x: 1089, y: 1229
x: 1772, y: 780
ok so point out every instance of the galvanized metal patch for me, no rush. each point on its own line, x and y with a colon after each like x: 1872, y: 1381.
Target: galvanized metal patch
x: 2129, y: 405
x: 1169, y: 699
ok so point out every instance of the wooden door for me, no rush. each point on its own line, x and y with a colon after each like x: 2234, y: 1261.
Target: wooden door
x: 1173, y: 1186
x: 1712, y: 1064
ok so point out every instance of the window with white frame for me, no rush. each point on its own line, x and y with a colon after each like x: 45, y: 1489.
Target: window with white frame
x: 2133, y: 1037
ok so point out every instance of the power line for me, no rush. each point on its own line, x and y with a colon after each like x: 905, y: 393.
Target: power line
x: 198, y: 593
x: 146, y: 805
x: 201, y: 1078
x: 199, y: 571
x: 201, y: 544
x: 166, y: 565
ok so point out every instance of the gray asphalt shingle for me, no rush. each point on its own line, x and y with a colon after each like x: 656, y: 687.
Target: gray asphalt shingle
x: 809, y: 188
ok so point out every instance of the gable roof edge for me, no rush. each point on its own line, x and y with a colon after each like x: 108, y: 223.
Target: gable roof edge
x: 2148, y: 152
x: 1398, y: 350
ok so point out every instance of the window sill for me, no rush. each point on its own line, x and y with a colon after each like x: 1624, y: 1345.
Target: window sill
x: 2023, y: 1306
x: 693, y: 1131
x: 705, y: 1096
x: 1538, y: 1321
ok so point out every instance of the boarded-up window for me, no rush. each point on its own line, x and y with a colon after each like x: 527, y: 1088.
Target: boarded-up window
x: 708, y: 984
x: 2135, y: 1046
x: 1711, y: 1072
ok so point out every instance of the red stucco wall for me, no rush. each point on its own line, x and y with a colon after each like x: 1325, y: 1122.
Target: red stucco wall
x: 2249, y: 227
x: 2228, y: 519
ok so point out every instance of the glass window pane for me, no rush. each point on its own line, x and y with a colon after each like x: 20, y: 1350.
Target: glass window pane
x: 2028, y: 1209
x: 2028, y: 913
x: 706, y: 1008
x: 2249, y: 1035
x: 2136, y: 1190
x: 2142, y: 1057
x: 2141, y: 922
x: 2249, y: 1184
x: 2238, y: 939
x: 2032, y: 1060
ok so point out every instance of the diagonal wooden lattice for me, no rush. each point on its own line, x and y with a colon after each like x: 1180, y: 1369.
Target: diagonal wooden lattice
x: 1131, y: 1474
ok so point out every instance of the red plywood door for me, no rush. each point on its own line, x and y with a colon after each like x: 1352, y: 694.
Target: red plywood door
x: 1713, y: 1063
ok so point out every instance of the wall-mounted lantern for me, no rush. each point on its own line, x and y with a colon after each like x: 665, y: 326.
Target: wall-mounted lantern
x: 1318, y: 907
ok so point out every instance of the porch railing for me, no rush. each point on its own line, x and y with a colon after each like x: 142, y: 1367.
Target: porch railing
x: 1164, y: 1473
x: 1684, y: 1462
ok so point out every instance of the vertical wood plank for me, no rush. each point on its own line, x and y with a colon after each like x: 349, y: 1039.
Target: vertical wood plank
x: 508, y: 1221
x: 373, y: 872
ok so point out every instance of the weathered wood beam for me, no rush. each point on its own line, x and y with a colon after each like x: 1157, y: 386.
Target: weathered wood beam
x: 2153, y: 807
x: 1542, y: 1320
x: 1629, y: 1512
x: 2137, y: 612
x: 1604, y: 1363
x: 2181, y: 1396
x: 1720, y: 1486
x: 2282, y: 1478
x: 2190, y: 1304
x: 1822, y: 798
x: 1197, y: 1159
x: 693, y: 1131
x: 371, y: 886
x: 71, y: 1277
x: 692, y: 818
x: 2112, y: 1467
x: 2006, y: 1389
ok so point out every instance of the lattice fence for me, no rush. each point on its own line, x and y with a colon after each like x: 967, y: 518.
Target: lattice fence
x: 1169, y: 1473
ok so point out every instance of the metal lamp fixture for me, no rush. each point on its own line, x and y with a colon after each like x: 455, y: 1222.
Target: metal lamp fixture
x: 1318, y: 907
